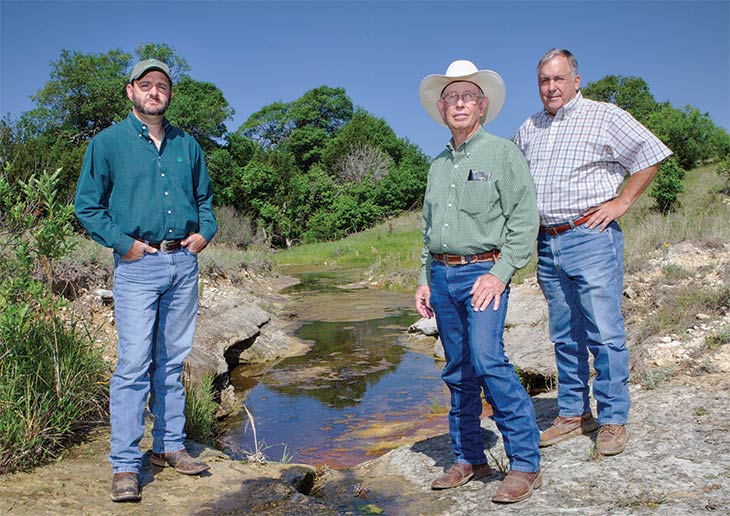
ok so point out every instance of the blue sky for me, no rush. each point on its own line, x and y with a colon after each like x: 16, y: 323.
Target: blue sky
x: 262, y: 52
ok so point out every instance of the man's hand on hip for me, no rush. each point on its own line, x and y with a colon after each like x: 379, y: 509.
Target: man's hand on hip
x: 137, y: 251
x: 486, y: 288
x: 606, y: 213
x: 194, y: 243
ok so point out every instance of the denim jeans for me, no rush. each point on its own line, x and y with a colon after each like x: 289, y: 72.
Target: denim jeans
x: 475, y: 360
x: 581, y: 275
x: 156, y: 306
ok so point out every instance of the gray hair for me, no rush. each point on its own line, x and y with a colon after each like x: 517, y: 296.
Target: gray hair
x: 558, y: 52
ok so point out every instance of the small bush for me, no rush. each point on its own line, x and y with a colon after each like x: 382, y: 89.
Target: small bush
x: 718, y: 339
x: 667, y: 185
x: 723, y: 169
x: 234, y: 229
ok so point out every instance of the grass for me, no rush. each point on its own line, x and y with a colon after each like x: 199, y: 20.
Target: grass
x: 390, y: 253
x: 200, y: 408
x: 53, y: 387
x: 702, y: 219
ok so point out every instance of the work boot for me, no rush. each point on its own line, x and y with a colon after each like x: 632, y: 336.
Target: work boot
x: 459, y: 474
x: 181, y: 461
x: 566, y: 427
x: 611, y: 439
x: 125, y: 487
x: 517, y: 486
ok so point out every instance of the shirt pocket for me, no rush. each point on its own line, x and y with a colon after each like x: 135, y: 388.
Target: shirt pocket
x: 476, y: 197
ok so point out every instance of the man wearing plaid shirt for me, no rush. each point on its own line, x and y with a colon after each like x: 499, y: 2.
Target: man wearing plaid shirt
x: 579, y: 152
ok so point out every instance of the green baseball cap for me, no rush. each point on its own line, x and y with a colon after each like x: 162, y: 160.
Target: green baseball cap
x: 145, y: 66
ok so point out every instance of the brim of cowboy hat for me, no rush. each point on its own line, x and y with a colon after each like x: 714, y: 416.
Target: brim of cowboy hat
x: 490, y: 82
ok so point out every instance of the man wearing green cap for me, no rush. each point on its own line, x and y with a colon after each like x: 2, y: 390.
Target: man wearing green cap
x: 144, y: 191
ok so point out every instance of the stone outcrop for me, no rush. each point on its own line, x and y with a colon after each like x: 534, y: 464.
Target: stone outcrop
x: 526, y: 334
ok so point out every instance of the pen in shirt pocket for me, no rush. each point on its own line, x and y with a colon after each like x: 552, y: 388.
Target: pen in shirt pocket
x: 478, y: 175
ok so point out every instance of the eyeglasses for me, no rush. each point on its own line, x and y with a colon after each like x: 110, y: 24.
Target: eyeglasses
x: 146, y: 86
x: 453, y: 98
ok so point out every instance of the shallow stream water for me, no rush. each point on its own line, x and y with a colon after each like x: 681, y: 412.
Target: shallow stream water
x: 364, y: 387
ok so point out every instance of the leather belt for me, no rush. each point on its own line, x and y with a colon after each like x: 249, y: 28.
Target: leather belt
x: 457, y: 259
x: 562, y: 228
x: 166, y: 246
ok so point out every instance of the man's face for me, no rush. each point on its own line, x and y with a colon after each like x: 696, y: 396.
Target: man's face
x: 558, y: 85
x: 462, y: 116
x: 151, y: 93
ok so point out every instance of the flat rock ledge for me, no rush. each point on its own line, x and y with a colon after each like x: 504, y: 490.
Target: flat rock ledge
x: 677, y: 462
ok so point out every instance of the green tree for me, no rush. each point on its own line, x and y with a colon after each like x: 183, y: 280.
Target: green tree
x: 629, y: 93
x: 85, y: 93
x: 200, y: 109
x: 687, y: 132
x: 302, y: 125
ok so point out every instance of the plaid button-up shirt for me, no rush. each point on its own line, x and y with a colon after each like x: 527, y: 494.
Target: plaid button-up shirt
x: 579, y: 157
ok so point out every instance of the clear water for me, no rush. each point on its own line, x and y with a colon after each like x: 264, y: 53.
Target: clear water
x: 360, y: 390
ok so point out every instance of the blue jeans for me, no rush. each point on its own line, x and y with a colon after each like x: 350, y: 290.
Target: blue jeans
x: 475, y: 360
x: 581, y: 275
x: 156, y: 306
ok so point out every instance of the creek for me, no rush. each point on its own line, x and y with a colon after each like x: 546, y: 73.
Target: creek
x: 364, y: 387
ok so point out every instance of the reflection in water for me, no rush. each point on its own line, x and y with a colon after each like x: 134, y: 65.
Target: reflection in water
x: 357, y: 393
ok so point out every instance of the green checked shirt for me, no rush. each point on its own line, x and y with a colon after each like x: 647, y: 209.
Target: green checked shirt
x: 129, y: 190
x: 480, y: 197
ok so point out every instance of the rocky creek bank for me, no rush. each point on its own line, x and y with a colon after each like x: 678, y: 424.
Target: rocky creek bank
x: 677, y: 459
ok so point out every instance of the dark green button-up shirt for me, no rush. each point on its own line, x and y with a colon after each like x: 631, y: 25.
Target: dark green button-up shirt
x: 480, y: 197
x: 129, y: 190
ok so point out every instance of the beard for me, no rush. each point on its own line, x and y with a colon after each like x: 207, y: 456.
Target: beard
x: 156, y: 111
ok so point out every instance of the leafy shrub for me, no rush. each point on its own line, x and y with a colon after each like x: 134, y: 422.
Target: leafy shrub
x: 52, y: 380
x: 723, y: 169
x: 667, y: 185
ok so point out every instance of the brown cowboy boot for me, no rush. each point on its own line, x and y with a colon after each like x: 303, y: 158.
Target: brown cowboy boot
x: 459, y: 474
x: 517, y: 486
x: 611, y: 439
x: 125, y: 487
x: 181, y: 461
x: 566, y: 427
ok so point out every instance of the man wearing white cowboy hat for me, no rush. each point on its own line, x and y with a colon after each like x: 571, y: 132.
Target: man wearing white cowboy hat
x: 479, y: 225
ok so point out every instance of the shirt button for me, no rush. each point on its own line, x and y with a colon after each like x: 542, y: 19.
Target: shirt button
x: 444, y: 246
x: 169, y: 231
x: 167, y: 193
x: 163, y: 175
x: 446, y: 225
x: 453, y: 186
x: 456, y: 166
x: 169, y: 212
x: 449, y: 205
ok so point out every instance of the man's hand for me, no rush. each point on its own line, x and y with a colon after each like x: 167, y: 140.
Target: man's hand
x: 137, y: 251
x: 609, y: 211
x: 423, y: 303
x: 606, y: 213
x: 194, y: 243
x: 486, y: 288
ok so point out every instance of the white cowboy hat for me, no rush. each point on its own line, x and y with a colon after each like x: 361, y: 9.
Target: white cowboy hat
x: 490, y: 82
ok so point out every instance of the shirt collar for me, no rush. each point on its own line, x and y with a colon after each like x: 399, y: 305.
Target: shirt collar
x: 141, y: 128
x: 568, y: 109
x: 473, y: 139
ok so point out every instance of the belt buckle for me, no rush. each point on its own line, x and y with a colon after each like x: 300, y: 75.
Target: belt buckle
x: 164, y: 245
x: 463, y: 260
